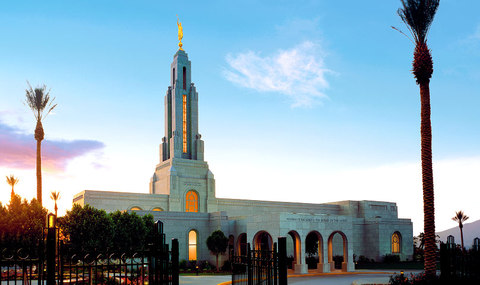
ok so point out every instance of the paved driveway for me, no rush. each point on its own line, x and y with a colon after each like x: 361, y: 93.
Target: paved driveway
x: 323, y: 279
x: 205, y: 279
x: 341, y: 279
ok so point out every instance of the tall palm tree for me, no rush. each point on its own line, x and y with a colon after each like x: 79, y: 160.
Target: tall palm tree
x: 38, y: 100
x: 55, y: 196
x: 418, y: 16
x: 12, y: 181
x: 460, y: 217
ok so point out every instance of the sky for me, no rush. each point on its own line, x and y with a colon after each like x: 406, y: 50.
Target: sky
x: 308, y: 101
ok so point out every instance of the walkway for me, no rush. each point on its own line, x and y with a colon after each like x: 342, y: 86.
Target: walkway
x: 358, y: 277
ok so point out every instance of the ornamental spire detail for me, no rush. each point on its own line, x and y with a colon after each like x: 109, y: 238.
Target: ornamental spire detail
x: 180, y: 34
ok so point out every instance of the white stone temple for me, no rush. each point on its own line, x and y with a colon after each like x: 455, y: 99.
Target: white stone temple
x: 182, y: 196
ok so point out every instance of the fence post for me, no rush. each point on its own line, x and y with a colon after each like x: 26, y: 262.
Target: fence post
x: 175, y: 266
x: 249, y: 266
x: 282, y: 261
x: 51, y: 248
x: 275, y: 264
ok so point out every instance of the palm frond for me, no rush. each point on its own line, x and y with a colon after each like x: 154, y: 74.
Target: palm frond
x: 460, y: 217
x: 55, y: 196
x: 418, y: 16
x: 38, y: 99
x: 11, y: 180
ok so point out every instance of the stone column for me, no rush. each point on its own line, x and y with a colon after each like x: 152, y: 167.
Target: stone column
x: 301, y: 267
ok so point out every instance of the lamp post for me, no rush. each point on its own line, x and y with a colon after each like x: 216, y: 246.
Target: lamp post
x: 51, y: 248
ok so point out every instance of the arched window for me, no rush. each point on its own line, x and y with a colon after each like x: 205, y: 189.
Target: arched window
x: 192, y: 245
x: 184, y: 78
x: 173, y: 76
x: 191, y: 201
x: 396, y: 242
x: 184, y: 123
x: 135, y: 208
x: 157, y: 209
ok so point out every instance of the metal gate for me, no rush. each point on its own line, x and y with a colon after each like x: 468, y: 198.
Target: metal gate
x: 261, y: 266
x: 53, y: 262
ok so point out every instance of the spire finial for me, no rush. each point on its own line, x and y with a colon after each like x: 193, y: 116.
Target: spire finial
x: 180, y: 34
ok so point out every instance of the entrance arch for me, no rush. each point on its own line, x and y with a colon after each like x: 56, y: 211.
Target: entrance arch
x: 297, y: 248
x: 263, y: 241
x: 344, y: 244
x: 242, y: 245
x: 314, y: 248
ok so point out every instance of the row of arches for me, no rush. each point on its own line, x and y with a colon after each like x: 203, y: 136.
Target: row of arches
x: 312, y: 246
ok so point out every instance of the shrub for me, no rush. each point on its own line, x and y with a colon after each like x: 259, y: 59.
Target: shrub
x: 391, y: 258
x: 414, y: 279
x: 227, y: 266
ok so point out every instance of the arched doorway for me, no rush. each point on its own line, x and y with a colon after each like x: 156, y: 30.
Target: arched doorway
x: 242, y: 244
x: 338, y: 251
x: 297, y: 248
x: 231, y: 247
x: 314, y: 251
x: 263, y: 241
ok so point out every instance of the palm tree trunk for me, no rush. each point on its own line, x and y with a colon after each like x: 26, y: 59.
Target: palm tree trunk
x: 39, y: 171
x: 427, y: 179
x: 461, y: 237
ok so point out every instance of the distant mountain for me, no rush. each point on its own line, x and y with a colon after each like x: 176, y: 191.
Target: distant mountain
x: 470, y: 231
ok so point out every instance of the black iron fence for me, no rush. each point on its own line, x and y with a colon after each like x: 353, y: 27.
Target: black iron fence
x: 54, y: 262
x: 457, y: 264
x: 263, y: 267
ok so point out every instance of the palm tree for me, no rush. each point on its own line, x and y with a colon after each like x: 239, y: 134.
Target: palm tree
x: 12, y: 181
x: 55, y: 196
x: 38, y: 100
x: 460, y: 217
x: 418, y: 16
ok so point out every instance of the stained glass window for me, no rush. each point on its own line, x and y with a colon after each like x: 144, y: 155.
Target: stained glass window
x: 395, y: 243
x: 191, y: 201
x: 184, y: 123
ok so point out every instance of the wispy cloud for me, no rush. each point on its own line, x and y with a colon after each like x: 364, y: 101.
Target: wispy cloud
x: 298, y: 73
x: 18, y: 150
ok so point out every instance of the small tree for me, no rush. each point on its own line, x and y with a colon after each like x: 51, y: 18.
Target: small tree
x: 217, y: 243
x: 12, y: 181
x: 55, y: 196
x: 460, y: 217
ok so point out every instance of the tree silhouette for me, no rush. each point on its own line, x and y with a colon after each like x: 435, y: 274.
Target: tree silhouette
x: 38, y: 100
x: 460, y: 217
x: 418, y: 16
x: 217, y: 243
x: 12, y: 181
x: 55, y: 196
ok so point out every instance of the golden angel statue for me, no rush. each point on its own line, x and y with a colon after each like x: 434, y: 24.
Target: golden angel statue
x: 180, y: 33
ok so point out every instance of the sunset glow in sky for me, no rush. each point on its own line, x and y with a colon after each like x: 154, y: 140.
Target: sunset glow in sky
x: 309, y: 101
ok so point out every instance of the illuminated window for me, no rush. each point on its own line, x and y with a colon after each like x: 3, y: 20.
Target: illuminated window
x: 396, y: 243
x: 191, y: 201
x: 192, y: 245
x: 184, y: 123
x: 135, y: 209
x: 157, y: 209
